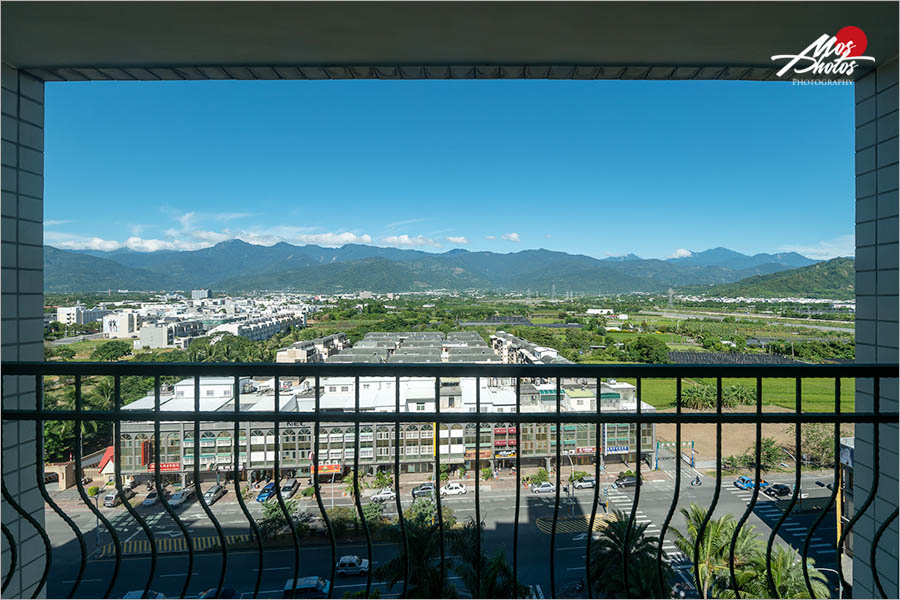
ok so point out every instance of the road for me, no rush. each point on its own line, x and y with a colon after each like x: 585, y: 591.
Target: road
x: 78, y: 338
x: 849, y: 328
x: 497, y: 510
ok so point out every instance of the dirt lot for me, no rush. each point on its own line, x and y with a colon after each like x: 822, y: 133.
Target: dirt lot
x: 735, y: 438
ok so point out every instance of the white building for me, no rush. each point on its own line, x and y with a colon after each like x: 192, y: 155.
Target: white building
x: 201, y: 294
x: 261, y: 328
x: 79, y: 315
x: 121, y: 325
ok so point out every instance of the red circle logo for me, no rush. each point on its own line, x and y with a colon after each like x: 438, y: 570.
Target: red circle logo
x: 853, y: 36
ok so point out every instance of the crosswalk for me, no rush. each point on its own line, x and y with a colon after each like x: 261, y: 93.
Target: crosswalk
x: 171, y: 544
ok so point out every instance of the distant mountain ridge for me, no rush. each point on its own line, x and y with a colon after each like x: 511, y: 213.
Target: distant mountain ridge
x: 832, y: 279
x: 236, y: 266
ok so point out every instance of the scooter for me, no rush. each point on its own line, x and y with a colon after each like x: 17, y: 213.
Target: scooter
x: 697, y: 481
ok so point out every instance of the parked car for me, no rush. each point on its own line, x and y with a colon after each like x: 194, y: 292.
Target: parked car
x: 289, y: 487
x: 140, y: 594
x: 746, y: 483
x: 50, y: 477
x: 534, y: 592
x: 424, y: 490
x: 114, y: 499
x: 778, y: 490
x: 542, y: 488
x: 384, y: 495
x: 453, y: 489
x: 587, y: 481
x: 352, y: 565
x: 266, y: 493
x: 624, y: 482
x: 181, y: 496
x: 151, y: 499
x: 214, y: 493
x: 307, y: 587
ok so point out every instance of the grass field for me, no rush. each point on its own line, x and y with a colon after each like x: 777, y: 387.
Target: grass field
x: 817, y: 395
x: 622, y: 336
x: 544, y: 320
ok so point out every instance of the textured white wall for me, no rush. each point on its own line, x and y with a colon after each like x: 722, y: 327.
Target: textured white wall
x: 876, y: 325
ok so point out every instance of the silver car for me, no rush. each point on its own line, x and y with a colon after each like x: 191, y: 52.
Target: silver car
x: 543, y: 488
x: 181, y: 496
x: 384, y: 495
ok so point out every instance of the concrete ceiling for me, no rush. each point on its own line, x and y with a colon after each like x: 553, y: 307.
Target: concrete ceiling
x: 272, y: 40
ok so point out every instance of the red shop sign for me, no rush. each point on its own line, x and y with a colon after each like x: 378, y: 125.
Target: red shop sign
x: 499, y: 442
x: 171, y: 466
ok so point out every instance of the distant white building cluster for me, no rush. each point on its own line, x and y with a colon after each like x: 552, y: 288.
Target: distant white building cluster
x: 261, y: 328
x: 79, y: 314
x: 515, y: 350
x: 317, y: 350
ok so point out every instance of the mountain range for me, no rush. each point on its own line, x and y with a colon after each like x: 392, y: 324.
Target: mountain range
x: 828, y: 279
x: 234, y: 266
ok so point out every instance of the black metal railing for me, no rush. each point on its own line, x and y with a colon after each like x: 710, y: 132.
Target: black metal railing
x: 556, y: 373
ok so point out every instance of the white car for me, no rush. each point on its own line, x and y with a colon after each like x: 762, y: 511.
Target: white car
x: 453, y: 489
x: 384, y: 495
x: 352, y: 565
x: 543, y: 488
x: 181, y: 496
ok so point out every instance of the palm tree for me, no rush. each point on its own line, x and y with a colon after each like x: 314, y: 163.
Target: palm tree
x: 608, y: 556
x: 787, y: 574
x: 424, y: 552
x: 496, y: 574
x: 713, y: 561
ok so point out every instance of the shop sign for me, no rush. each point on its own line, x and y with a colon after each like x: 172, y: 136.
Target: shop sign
x: 169, y: 466
x: 327, y: 468
x: 585, y: 450
x: 500, y: 442
x: 470, y: 455
x: 500, y: 430
x: 616, y: 449
x: 505, y: 454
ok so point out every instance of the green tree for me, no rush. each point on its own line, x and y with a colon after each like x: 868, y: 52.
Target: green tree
x: 273, y: 520
x: 616, y: 545
x: 342, y: 518
x: 425, y: 510
x: 496, y: 573
x: 383, y: 479
x: 486, y: 473
x: 787, y: 575
x: 540, y: 476
x: 374, y: 514
x: 109, y: 351
x: 712, y: 567
x: 424, y: 553
x: 647, y: 349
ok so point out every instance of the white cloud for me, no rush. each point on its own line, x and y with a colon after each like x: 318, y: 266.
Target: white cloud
x: 405, y: 240
x: 843, y: 245
x: 548, y: 236
x: 457, y: 239
x: 52, y: 223
x: 231, y: 216
x: 490, y: 237
x: 398, y: 224
x: 512, y: 237
x: 186, y: 220
x: 681, y: 253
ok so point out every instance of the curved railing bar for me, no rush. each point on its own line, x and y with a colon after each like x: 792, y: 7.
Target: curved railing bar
x: 756, y: 485
x: 87, y: 501
x: 397, y: 488
x: 117, y: 469
x: 237, y: 484
x: 875, y: 541
x: 589, y: 582
x: 12, y: 557
x: 876, y: 466
x: 672, y: 507
x: 715, y: 500
x: 358, y: 502
x: 834, y: 489
x: 478, y: 488
x: 197, y: 489
x: 48, y: 548
x: 556, y: 504
x: 437, y: 480
x: 39, y: 467
x: 318, y: 491
x: 287, y: 517
x: 157, y: 481
x: 798, y: 452
x: 629, y: 529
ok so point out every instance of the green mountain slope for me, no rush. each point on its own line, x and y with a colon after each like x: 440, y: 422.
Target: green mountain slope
x: 830, y: 279
x: 72, y: 272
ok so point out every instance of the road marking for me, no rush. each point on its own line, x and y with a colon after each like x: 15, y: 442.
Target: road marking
x: 84, y: 580
x: 575, y: 569
x: 177, y: 574
x: 275, y: 569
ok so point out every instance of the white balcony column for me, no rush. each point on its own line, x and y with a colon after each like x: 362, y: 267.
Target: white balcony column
x: 876, y: 320
x: 22, y: 307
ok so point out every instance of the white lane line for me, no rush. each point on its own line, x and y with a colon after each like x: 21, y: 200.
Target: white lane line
x: 275, y: 569
x: 84, y: 580
x: 177, y: 574
x: 575, y: 569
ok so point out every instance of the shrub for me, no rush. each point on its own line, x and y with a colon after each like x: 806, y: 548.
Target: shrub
x: 578, y: 475
x: 93, y: 491
x: 486, y: 473
x: 308, y: 492
x: 342, y: 518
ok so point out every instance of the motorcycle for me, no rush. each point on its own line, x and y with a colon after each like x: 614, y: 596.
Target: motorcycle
x: 697, y: 481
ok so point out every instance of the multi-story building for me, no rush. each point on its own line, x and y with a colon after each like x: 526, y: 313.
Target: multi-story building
x: 515, y: 350
x: 79, y: 315
x: 317, y: 350
x: 165, y: 335
x: 201, y: 294
x: 121, y: 325
x: 378, y: 394
x: 262, y: 328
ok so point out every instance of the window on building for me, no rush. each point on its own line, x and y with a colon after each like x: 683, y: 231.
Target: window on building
x: 345, y: 388
x: 420, y: 406
x: 450, y: 402
x: 210, y: 392
x: 332, y: 388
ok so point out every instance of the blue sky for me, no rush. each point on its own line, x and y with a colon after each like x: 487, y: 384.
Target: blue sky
x: 592, y: 167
